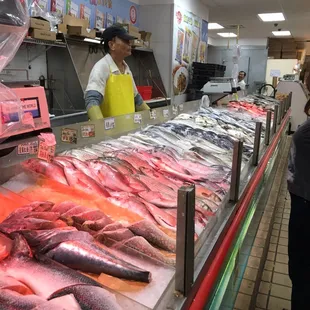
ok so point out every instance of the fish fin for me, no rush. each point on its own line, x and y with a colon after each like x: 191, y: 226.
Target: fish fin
x: 20, y: 246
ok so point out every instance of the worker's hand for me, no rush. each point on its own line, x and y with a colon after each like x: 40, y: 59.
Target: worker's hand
x: 94, y: 113
x: 142, y: 107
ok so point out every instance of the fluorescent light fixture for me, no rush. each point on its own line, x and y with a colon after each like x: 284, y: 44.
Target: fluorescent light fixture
x: 91, y: 40
x: 281, y: 33
x: 227, y: 34
x: 212, y: 26
x: 271, y: 17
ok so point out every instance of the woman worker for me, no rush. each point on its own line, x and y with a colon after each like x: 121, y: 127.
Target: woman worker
x: 111, y: 90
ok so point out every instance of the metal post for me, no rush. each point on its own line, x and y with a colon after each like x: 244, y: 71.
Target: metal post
x: 236, y: 171
x: 258, y: 134
x: 282, y: 111
x: 267, y: 132
x: 275, y: 119
x: 184, y: 276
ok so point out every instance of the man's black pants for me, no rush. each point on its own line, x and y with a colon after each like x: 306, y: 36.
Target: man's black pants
x: 299, y: 252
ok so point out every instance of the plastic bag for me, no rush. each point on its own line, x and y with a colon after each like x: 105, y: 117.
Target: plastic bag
x: 14, y: 23
x: 235, y: 70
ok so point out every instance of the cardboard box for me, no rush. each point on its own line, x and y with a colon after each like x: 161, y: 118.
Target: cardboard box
x: 74, y: 21
x: 81, y: 32
x: 62, y: 28
x: 43, y: 34
x: 131, y: 28
x: 136, y: 35
x: 146, y: 36
x: 39, y: 23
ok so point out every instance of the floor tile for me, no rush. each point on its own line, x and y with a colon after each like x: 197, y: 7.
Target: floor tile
x: 281, y: 291
x: 261, y: 301
x: 282, y: 249
x: 283, y: 241
x: 247, y: 287
x: 281, y: 268
x: 266, y: 220
x: 253, y: 262
x: 269, y: 265
x: 284, y: 227
x: 264, y: 287
x: 282, y: 258
x: 275, y: 232
x: 264, y: 227
x: 278, y: 304
x: 262, y: 234
x: 243, y: 302
x: 259, y: 242
x: 271, y: 256
x: 267, y: 276
x: 250, y: 273
x: 281, y: 279
x: 278, y: 220
x: 285, y: 221
x: 274, y: 240
x: 257, y: 252
x: 283, y: 234
x: 286, y: 210
x: 273, y: 247
x: 276, y: 226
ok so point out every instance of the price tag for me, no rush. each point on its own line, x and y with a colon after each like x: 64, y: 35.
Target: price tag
x: 45, y: 151
x: 88, y: 131
x: 174, y: 110
x: 109, y: 123
x: 137, y: 119
x: 69, y: 135
x: 181, y: 107
x: 166, y: 113
x: 153, y: 114
x: 27, y: 148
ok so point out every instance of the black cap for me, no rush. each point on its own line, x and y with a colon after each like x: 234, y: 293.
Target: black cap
x: 116, y: 31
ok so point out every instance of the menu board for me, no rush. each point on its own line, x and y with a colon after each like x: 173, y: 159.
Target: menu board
x: 189, y: 45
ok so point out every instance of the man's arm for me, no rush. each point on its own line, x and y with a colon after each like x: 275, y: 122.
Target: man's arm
x: 93, y: 100
x: 95, y: 91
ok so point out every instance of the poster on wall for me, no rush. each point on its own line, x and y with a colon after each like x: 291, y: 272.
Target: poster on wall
x: 119, y: 10
x: 189, y: 45
x: 99, y: 19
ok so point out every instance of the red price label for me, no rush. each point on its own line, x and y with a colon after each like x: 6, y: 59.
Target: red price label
x: 46, y: 152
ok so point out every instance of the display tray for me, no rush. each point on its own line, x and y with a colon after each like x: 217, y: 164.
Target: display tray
x: 214, y: 213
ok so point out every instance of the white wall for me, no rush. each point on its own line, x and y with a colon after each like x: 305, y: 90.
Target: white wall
x: 158, y: 19
x: 284, y: 65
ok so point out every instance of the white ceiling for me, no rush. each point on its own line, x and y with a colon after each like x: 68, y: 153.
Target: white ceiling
x: 244, y: 12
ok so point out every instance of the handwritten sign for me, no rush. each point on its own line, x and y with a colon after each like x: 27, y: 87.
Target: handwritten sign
x: 109, y: 123
x: 137, y: 119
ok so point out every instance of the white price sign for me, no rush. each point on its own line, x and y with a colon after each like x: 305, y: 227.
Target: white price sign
x: 166, y: 113
x: 275, y: 73
x: 181, y: 107
x: 137, y: 119
x: 109, y: 123
x: 153, y: 114
x: 174, y: 110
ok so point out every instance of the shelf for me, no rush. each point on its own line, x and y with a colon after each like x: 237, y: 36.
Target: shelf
x: 143, y: 49
x: 157, y: 100
x: 44, y: 42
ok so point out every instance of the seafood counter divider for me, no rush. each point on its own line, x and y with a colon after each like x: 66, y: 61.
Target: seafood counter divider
x: 160, y: 294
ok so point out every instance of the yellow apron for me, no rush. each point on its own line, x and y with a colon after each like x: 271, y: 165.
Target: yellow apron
x: 119, y: 96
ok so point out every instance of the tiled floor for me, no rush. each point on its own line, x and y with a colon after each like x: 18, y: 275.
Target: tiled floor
x: 266, y: 284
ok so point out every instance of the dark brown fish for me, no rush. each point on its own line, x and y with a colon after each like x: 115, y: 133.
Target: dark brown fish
x: 154, y: 235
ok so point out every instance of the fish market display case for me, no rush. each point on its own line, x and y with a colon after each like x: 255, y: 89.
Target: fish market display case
x: 190, y: 244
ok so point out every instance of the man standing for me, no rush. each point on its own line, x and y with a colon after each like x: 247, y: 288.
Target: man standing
x: 299, y: 225
x: 111, y: 90
x: 241, y: 82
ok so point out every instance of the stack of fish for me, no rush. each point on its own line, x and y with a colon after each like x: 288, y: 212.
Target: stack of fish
x: 144, y: 170
x: 64, y: 231
x: 28, y: 282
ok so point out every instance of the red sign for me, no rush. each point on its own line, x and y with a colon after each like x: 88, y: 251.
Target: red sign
x: 133, y: 14
x: 179, y: 17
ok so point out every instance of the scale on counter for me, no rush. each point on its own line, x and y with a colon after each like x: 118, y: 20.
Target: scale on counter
x: 218, y: 85
x: 32, y: 114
